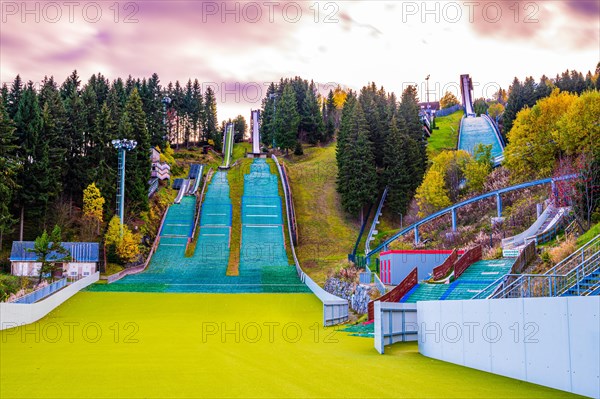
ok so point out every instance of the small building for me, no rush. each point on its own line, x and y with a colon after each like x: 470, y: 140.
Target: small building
x: 395, y: 265
x: 84, y: 259
x: 160, y: 170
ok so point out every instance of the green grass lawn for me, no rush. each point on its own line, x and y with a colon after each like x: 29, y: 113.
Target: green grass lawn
x: 158, y: 346
x: 446, y: 137
x: 588, y: 235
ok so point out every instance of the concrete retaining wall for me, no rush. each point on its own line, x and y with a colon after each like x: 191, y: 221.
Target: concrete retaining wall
x: 553, y: 342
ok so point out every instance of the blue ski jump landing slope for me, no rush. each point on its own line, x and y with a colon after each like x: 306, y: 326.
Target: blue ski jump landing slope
x: 263, y: 261
x: 477, y: 129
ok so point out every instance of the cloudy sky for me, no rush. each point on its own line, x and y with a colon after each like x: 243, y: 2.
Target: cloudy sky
x: 239, y: 47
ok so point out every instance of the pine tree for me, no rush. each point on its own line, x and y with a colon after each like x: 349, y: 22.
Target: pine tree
x: 4, y: 96
x: 398, y: 172
x: 103, y: 155
x: 409, y: 112
x: 287, y: 120
x: 268, y: 116
x: 188, y: 109
x: 54, y: 115
x: 543, y: 88
x: 138, y: 164
x: 197, y: 109
x: 311, y: 119
x: 343, y: 159
x: 153, y: 108
x: 361, y: 173
x: 211, y: 122
x: 33, y: 179
x: 240, y: 127
x: 74, y: 129
x: 331, y: 112
x: 14, y: 97
x: 513, y: 105
x: 9, y: 165
x: 528, y: 92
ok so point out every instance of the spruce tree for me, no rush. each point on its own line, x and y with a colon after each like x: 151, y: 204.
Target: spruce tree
x: 361, y: 173
x: 311, y: 119
x: 287, y: 120
x: 197, y: 109
x: 268, y: 116
x: 211, y: 122
x: 103, y: 156
x: 4, y: 97
x: 409, y: 112
x: 14, y: 97
x: 513, y: 105
x: 138, y: 164
x: 54, y: 115
x: 33, y: 178
x: 342, y: 157
x: 9, y: 165
x: 398, y: 173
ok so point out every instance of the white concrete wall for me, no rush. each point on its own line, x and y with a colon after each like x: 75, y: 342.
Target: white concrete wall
x: 17, y: 314
x: 548, y: 341
x: 33, y: 268
x: 395, y: 319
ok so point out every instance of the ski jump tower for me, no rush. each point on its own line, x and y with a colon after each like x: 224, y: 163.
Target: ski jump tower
x: 255, y: 135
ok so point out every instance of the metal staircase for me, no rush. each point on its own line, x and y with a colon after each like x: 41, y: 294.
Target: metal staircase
x: 578, y: 274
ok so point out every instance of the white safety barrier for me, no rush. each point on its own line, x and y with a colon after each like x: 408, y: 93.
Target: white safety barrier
x: 394, y: 322
x: 18, y: 314
x: 335, y: 309
x: 553, y: 342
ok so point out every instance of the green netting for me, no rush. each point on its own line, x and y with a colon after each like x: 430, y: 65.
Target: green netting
x: 261, y: 210
x: 427, y: 292
x: 262, y: 253
x: 366, y: 330
x: 477, y: 277
x: 215, y: 214
x: 263, y: 269
x: 180, y: 218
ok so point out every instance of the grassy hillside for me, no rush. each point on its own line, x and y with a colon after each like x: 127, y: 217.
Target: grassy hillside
x: 326, y: 233
x: 446, y: 137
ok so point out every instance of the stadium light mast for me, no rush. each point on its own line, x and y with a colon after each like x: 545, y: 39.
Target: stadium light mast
x: 122, y: 145
x: 427, y: 80
x: 166, y: 101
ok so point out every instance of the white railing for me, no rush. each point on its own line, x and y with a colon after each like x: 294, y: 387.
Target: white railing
x: 18, y: 314
x: 375, y: 221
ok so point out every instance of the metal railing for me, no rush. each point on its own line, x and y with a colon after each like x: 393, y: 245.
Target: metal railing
x: 566, y: 275
x: 375, y: 221
x: 380, y: 286
x: 42, y: 292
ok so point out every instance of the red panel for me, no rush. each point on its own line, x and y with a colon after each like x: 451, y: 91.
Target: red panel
x: 420, y: 251
x: 397, y: 293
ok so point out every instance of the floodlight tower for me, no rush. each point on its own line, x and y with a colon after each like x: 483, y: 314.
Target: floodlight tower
x: 122, y: 146
x: 166, y: 101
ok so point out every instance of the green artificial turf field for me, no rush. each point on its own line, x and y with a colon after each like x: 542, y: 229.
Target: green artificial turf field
x: 118, y: 345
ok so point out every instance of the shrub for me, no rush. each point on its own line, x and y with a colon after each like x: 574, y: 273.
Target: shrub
x: 563, y: 250
x: 8, y: 285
